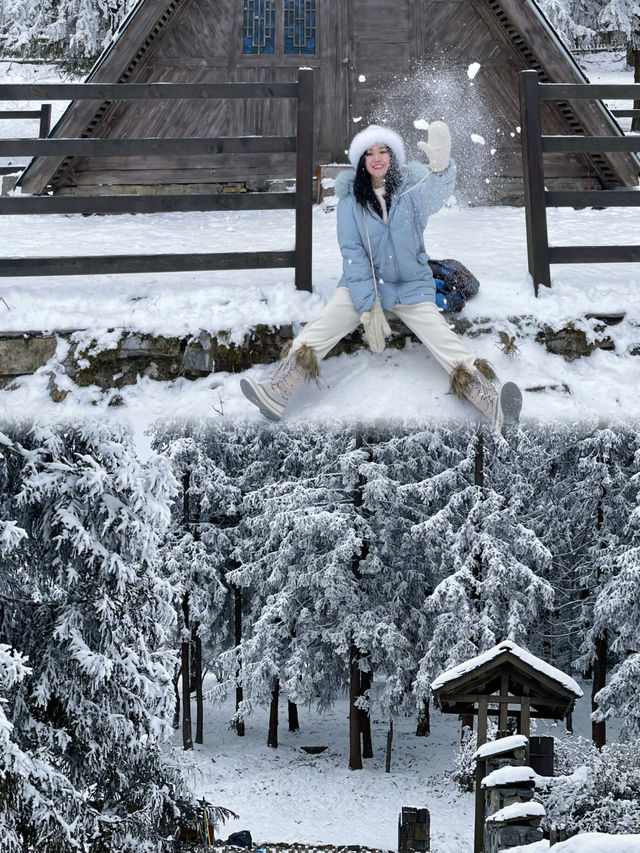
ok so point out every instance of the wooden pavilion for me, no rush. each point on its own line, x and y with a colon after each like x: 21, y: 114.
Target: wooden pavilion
x: 404, y: 62
x: 506, y: 681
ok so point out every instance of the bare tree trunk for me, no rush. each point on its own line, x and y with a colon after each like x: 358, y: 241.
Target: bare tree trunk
x: 423, y: 729
x: 355, y: 755
x: 601, y: 647
x: 197, y: 665
x: 176, y: 707
x: 599, y: 730
x: 366, y: 679
x: 187, y: 740
x: 237, y: 600
x: 387, y: 764
x: 292, y: 713
x: 272, y: 738
x: 466, y: 720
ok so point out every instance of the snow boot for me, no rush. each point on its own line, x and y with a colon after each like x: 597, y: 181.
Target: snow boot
x: 271, y: 397
x: 476, y: 385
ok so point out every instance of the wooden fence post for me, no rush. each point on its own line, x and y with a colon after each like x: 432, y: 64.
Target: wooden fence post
x: 533, y: 177
x: 304, y: 180
x: 45, y: 120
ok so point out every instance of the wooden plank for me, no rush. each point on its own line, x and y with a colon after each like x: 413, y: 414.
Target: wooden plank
x: 597, y: 198
x: 118, y: 204
x: 589, y: 91
x: 590, y: 144
x: 170, y: 147
x: 533, y: 178
x: 142, y: 91
x: 107, y: 264
x: 594, y: 254
x: 20, y: 114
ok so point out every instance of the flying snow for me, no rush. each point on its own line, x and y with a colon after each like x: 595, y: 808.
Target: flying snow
x: 472, y: 70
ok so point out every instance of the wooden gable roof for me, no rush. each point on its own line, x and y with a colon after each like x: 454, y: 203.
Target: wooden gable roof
x: 552, y: 693
x: 200, y: 41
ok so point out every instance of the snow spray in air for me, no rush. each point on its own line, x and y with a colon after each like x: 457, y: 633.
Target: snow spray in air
x: 437, y: 89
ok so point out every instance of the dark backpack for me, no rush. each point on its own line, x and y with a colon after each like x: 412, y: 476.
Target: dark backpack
x: 454, y: 284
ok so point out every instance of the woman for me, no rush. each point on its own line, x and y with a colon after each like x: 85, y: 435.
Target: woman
x: 382, y: 213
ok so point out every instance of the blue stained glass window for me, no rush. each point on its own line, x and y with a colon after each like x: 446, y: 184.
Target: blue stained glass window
x: 299, y: 26
x: 259, y: 26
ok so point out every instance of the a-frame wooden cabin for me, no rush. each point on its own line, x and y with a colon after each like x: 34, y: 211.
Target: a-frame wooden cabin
x: 397, y: 61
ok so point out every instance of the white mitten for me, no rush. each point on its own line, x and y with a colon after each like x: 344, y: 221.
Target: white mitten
x: 376, y: 326
x: 438, y: 146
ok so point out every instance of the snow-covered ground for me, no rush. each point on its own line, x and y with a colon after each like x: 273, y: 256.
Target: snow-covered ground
x: 489, y: 240
x: 286, y: 795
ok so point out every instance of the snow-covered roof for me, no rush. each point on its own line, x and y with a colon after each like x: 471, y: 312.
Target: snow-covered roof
x: 517, y: 811
x: 525, y: 656
x: 503, y: 744
x: 513, y: 775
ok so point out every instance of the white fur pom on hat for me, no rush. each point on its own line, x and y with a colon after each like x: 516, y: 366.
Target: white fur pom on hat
x: 376, y: 135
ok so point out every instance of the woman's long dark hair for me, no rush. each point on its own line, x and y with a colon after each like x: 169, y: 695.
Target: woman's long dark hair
x: 363, y: 188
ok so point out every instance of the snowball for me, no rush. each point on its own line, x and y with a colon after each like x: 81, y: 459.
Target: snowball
x: 472, y: 70
x: 479, y: 140
x: 361, y: 78
x: 421, y: 124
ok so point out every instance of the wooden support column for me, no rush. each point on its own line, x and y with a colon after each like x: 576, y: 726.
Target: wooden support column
x: 524, y: 726
x: 504, y: 704
x: 525, y: 716
x: 483, y: 704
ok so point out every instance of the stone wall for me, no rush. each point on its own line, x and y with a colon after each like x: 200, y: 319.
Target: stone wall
x: 127, y: 355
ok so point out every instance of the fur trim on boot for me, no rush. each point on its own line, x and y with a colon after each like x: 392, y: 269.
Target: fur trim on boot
x: 271, y: 397
x: 483, y: 366
x: 461, y: 377
x: 305, y: 358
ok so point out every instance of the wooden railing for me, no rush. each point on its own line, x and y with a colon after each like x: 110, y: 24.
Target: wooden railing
x: 44, y: 116
x: 537, y: 199
x: 302, y: 200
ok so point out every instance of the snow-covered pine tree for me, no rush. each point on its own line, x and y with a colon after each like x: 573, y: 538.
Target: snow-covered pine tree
x: 601, y: 504
x: 617, y: 612
x: 400, y: 573
x: 197, y: 552
x: 73, y: 30
x: 491, y: 571
x: 295, y: 554
x: 89, y: 610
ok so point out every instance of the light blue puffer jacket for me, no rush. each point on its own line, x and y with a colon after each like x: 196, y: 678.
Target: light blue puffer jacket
x: 399, y: 256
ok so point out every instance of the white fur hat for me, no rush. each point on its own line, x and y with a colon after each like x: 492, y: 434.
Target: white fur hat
x: 376, y: 135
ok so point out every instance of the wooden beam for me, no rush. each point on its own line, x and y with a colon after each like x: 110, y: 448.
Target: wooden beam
x: 594, y: 255
x: 593, y: 198
x: 144, y: 91
x: 107, y: 264
x: 482, y: 720
x: 146, y: 147
x: 189, y: 202
x: 589, y: 144
x: 589, y: 91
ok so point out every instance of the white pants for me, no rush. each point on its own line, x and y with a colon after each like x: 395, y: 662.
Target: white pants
x: 340, y: 317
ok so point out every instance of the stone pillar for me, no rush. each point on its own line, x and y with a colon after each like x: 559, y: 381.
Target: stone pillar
x: 414, y: 830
